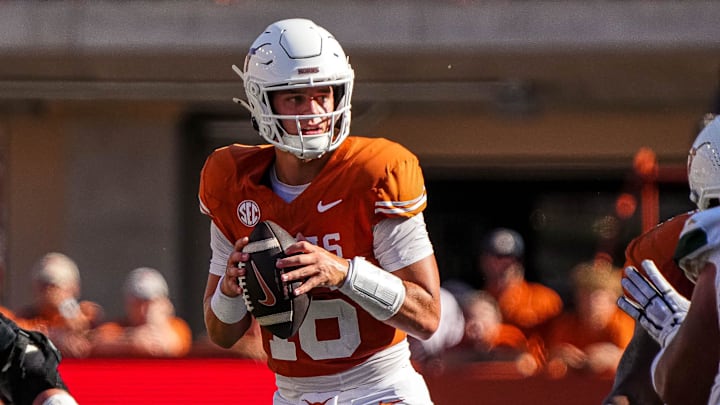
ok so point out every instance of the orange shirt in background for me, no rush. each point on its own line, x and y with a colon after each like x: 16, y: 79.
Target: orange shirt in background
x: 116, y: 339
x: 568, y: 328
x: 529, y: 306
x: 43, y: 321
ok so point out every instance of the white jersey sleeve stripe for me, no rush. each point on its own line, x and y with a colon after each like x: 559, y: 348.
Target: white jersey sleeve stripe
x: 699, y: 238
x: 414, y: 201
x: 203, y: 208
x: 400, y: 209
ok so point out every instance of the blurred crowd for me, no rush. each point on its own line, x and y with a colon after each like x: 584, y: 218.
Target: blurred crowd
x: 79, y: 328
x: 528, y: 324
x: 509, y: 320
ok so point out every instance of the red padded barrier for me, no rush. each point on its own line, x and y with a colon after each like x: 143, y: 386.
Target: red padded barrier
x: 168, y: 381
x: 214, y: 381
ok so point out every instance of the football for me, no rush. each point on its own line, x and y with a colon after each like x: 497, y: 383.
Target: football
x: 270, y: 300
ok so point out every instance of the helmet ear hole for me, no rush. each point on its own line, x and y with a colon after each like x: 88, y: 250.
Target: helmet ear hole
x: 253, y: 89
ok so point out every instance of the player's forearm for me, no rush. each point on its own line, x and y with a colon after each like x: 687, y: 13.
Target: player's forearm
x: 677, y: 381
x: 226, y: 316
x: 682, y: 375
x: 685, y: 369
x: 223, y: 334
x: 420, y: 312
x: 408, y: 299
x: 419, y: 316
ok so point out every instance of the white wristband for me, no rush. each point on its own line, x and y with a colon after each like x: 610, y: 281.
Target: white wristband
x: 227, y: 309
x: 377, y: 291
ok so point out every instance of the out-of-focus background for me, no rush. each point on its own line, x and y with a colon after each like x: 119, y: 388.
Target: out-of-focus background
x: 524, y: 114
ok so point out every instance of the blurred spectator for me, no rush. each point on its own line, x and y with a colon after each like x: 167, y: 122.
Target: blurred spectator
x: 487, y: 338
x: 527, y: 305
x: 57, y: 311
x: 150, y: 327
x: 426, y: 353
x: 592, y: 336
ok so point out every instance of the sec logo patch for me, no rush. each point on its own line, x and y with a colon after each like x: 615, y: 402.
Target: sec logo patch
x: 249, y: 213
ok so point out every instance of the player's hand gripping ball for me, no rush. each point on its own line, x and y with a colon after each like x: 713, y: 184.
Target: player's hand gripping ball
x: 272, y: 301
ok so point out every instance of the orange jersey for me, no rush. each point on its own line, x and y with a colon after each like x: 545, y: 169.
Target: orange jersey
x: 529, y: 305
x: 43, y: 321
x: 364, y: 181
x: 568, y: 328
x: 658, y: 244
x: 112, y: 332
x: 510, y: 336
x: 506, y: 345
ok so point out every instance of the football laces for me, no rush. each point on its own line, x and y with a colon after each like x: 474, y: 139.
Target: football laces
x: 242, y: 283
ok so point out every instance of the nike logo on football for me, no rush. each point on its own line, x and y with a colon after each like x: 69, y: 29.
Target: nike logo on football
x: 269, y: 299
x: 324, y: 207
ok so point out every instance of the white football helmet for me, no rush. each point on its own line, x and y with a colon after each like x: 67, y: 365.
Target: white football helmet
x: 704, y: 166
x: 297, y: 53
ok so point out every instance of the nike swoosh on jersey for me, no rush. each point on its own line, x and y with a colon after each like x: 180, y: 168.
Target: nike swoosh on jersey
x: 324, y: 207
x: 269, y: 299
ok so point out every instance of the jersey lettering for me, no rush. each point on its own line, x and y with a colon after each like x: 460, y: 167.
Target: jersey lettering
x: 349, y: 340
x: 330, y: 242
x: 282, y: 349
x: 342, y: 347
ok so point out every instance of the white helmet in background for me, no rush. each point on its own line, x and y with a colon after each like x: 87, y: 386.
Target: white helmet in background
x: 297, y: 53
x: 704, y: 166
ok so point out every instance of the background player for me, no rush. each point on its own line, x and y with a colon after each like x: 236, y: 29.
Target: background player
x: 356, y: 203
x: 632, y: 381
x: 683, y: 370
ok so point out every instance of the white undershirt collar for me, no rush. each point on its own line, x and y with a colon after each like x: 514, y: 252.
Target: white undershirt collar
x: 286, y: 191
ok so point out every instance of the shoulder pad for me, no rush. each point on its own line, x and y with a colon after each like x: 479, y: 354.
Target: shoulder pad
x: 699, y: 238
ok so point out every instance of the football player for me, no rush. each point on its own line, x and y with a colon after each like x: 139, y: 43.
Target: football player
x: 356, y: 205
x: 28, y: 368
x: 684, y: 368
x: 633, y: 384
